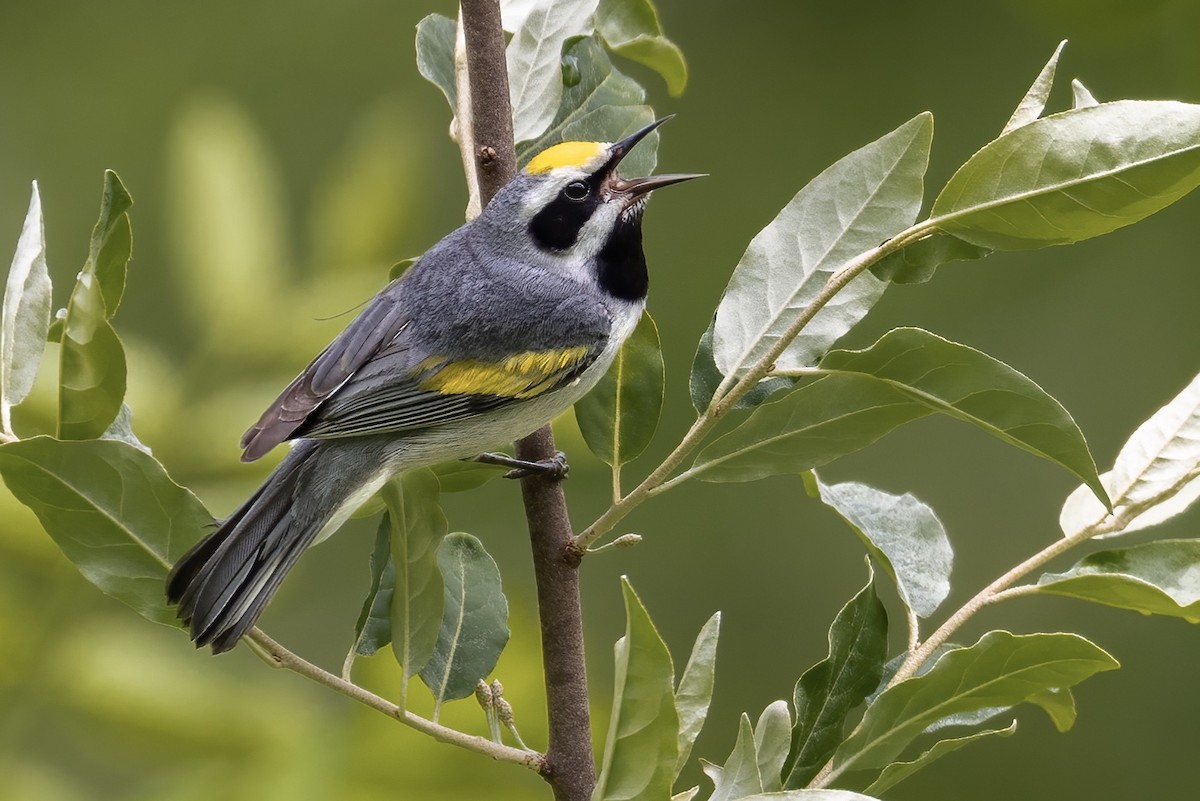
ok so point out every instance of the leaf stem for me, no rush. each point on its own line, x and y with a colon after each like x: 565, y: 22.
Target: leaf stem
x: 914, y: 629
x: 733, y: 389
x: 281, y: 657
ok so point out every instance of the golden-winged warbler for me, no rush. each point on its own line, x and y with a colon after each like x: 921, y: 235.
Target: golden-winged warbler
x: 494, y: 331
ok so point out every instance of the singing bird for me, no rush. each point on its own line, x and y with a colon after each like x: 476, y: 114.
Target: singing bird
x: 494, y: 331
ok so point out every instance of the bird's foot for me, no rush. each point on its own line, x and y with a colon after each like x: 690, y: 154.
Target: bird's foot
x: 555, y: 468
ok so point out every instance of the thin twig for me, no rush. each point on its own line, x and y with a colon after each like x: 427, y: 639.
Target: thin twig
x: 281, y: 657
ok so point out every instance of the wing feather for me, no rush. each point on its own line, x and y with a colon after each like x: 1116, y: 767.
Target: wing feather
x: 376, y: 403
x: 401, y: 365
x: 376, y: 326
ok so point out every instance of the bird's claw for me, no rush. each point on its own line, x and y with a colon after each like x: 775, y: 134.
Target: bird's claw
x: 554, y: 468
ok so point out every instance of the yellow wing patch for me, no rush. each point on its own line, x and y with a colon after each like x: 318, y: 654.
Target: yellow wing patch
x: 566, y: 154
x: 523, y: 375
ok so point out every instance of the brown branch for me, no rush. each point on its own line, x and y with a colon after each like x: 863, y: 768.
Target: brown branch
x: 572, y: 772
x: 491, y: 112
x: 569, y: 765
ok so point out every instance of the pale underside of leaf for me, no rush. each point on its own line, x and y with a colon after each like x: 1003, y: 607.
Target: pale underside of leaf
x: 772, y: 741
x: 1160, y: 578
x: 905, y: 533
x: 739, y: 777
x: 1034, y: 101
x: 864, y: 199
x: 25, y: 315
x: 1155, y: 476
x: 694, y: 694
x: 603, y: 106
x: 534, y: 55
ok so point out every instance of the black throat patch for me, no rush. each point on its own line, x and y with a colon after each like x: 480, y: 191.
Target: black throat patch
x: 622, y: 263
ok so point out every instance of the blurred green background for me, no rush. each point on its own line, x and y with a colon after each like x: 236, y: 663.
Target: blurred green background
x: 342, y: 166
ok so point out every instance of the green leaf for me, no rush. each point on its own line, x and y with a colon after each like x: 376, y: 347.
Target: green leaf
x: 631, y: 29
x: 619, y: 416
x: 856, y: 397
x: 373, y: 629
x: 112, y: 510
x: 695, y: 690
x: 1034, y: 102
x: 112, y: 243
x: 807, y: 427
x: 418, y: 527
x: 91, y: 367
x: 862, y: 200
x: 897, y: 772
x: 612, y: 123
x: 92, y: 370
x: 1002, y: 669
x: 25, y: 314
x: 534, y: 56
x: 706, y: 378
x: 903, y: 534
x: 1059, y: 705
x: 772, y: 742
x: 1155, y: 578
x: 602, y: 106
x: 830, y: 689
x: 435, y: 55
x: 971, y: 386
x: 463, y: 474
x: 1074, y: 175
x: 643, y: 732
x: 1155, y: 476
x: 1083, y: 98
x: 121, y: 429
x: 916, y: 263
x: 739, y: 777
x: 474, y: 621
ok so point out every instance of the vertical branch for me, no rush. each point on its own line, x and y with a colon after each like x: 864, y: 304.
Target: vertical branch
x: 569, y: 766
x: 556, y: 568
x: 491, y: 112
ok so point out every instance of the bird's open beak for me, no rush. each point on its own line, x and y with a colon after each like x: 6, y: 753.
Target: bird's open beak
x: 635, y: 187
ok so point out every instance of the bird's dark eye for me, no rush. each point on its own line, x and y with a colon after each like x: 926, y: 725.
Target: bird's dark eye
x: 576, y: 190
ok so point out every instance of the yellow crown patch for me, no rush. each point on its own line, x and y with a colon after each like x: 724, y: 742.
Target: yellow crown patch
x: 566, y: 154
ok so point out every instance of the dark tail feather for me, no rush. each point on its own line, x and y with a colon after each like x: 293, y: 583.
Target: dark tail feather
x: 224, y: 582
